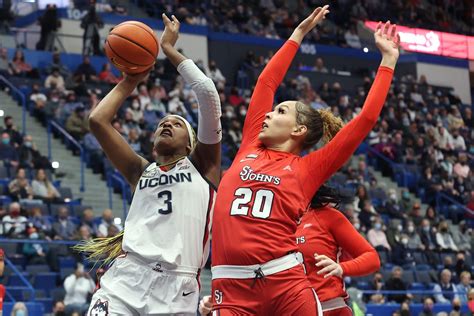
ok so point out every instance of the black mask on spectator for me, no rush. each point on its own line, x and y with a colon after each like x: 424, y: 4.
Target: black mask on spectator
x: 457, y: 308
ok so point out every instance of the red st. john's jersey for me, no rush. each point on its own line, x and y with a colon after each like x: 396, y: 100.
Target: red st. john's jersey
x: 325, y: 231
x: 264, y: 192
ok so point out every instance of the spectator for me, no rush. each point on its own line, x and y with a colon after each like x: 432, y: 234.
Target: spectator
x: 21, y: 68
x: 106, y: 75
x: 107, y: 220
x: 470, y: 300
x: 461, y: 168
x: 63, y: 228
x: 49, y: 23
x: 401, y: 254
x: 19, y: 187
x: 444, y: 238
x: 5, y: 65
x: 234, y: 97
x: 463, y: 237
x: 464, y: 286
x: 88, y: 221
x: 14, y: 224
x: 38, y: 253
x: 83, y: 233
x: 91, y: 23
x: 41, y: 223
x: 55, y: 81
x: 134, y: 141
x: 319, y: 66
x: 43, y: 189
x: 8, y: 153
x: 456, y: 307
x: 445, y: 289
x: 461, y: 265
x: 69, y: 107
x: 85, y: 71
x: 19, y: 309
x: 78, y: 286
x: 30, y: 157
x: 376, y: 285
x: 58, y: 309
x: 351, y: 37
x: 39, y: 100
x: 377, y: 237
x: 143, y: 95
x: 395, y: 283
x: 15, y: 136
x: 216, y: 75
x: 443, y: 138
x: 2, y: 287
x: 367, y: 214
x: 76, y: 124
x: 458, y: 141
x: 94, y: 151
x: 414, y: 240
x: 57, y: 64
x: 52, y: 106
x: 134, y: 112
x: 428, y: 305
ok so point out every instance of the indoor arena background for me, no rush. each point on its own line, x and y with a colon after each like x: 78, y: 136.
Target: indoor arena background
x: 413, y: 173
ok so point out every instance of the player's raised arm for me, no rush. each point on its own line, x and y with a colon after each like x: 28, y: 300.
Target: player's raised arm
x: 119, y: 152
x: 272, y: 75
x: 207, y: 153
x: 321, y: 164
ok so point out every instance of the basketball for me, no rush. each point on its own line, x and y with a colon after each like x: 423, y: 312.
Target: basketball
x: 132, y: 47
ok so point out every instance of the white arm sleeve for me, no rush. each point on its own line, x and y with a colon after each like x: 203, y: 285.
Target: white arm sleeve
x: 209, y: 125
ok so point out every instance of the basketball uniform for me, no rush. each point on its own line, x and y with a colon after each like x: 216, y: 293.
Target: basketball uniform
x: 326, y: 231
x: 263, y: 195
x: 166, y: 242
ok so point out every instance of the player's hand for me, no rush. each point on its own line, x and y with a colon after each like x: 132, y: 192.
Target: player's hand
x: 171, y: 33
x: 135, y: 79
x: 309, y: 23
x: 387, y: 40
x: 329, y: 267
x: 205, y: 305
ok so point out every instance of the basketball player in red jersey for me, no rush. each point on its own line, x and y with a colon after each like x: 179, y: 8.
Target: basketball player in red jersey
x: 323, y: 234
x: 266, y: 190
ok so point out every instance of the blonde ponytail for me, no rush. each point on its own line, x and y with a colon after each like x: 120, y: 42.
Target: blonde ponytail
x: 102, y: 250
x: 331, y: 124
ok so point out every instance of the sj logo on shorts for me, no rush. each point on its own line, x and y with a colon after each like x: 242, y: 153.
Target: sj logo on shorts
x: 100, y: 308
x: 218, y: 295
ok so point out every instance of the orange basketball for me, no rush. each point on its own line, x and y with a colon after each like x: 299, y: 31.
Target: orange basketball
x: 132, y: 47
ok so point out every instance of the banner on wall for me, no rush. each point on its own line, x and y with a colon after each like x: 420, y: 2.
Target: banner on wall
x: 433, y: 42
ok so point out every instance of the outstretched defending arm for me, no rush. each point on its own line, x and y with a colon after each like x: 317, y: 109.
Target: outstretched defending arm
x: 262, y: 98
x: 207, y: 154
x: 319, y: 165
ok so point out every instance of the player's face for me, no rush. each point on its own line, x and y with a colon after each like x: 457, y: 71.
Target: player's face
x: 279, y: 124
x: 171, y: 136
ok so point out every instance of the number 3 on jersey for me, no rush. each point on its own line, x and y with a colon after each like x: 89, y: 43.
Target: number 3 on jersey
x: 165, y: 196
x: 262, y: 205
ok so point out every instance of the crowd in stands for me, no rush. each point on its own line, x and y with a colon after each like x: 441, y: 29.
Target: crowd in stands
x: 277, y: 18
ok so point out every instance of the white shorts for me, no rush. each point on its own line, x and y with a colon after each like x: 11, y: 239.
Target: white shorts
x: 131, y: 287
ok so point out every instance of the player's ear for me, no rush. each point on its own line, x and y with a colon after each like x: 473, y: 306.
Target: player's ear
x: 299, y: 130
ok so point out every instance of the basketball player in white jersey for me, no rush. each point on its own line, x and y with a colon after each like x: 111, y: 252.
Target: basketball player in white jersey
x: 166, y: 236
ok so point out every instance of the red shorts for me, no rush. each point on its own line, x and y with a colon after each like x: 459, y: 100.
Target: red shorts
x: 344, y: 311
x: 285, y: 293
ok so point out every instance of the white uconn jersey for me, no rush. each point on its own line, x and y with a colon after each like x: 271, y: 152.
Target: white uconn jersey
x: 170, y: 216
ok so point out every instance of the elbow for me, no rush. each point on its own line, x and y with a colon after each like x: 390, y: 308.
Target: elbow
x: 94, y: 122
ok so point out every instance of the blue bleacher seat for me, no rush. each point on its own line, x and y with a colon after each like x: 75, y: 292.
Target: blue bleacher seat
x: 423, y: 277
x: 65, y: 272
x: 408, y: 277
x: 16, y: 280
x: 17, y: 294
x: 422, y: 267
x: 37, y: 268
x: 47, y: 303
x: 45, y: 281
x: 362, y: 285
x: 67, y: 262
x: 57, y: 294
